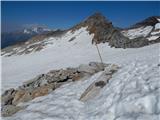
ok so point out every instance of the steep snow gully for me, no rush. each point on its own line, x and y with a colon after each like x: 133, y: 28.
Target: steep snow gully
x: 133, y: 93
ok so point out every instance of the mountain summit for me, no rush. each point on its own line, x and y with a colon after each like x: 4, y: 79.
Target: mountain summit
x: 102, y: 29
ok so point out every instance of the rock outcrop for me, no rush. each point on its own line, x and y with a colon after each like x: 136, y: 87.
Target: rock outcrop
x: 103, y: 30
x: 44, y: 84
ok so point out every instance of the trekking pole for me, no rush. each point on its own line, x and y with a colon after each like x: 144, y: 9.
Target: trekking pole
x: 99, y: 54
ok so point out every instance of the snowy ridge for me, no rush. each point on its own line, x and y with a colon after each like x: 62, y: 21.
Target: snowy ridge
x: 37, y: 45
x: 155, y: 34
x: 138, y: 32
x: 151, y: 33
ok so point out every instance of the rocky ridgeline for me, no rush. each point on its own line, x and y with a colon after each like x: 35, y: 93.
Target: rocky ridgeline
x: 104, y: 31
x: 46, y: 83
x: 96, y: 24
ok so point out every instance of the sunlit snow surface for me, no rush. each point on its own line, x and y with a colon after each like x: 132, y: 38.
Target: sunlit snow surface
x: 153, y: 38
x: 138, y: 32
x: 157, y: 26
x: 131, y: 94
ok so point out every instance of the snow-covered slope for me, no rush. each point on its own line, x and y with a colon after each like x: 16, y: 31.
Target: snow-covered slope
x: 59, y: 53
x: 131, y: 94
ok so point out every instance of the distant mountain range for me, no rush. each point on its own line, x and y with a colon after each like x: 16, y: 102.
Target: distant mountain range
x: 142, y: 33
x: 11, y: 38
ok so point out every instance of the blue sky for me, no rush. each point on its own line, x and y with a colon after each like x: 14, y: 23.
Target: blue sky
x: 66, y: 14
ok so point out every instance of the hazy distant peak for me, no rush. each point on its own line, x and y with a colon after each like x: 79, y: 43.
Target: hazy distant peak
x: 35, y: 29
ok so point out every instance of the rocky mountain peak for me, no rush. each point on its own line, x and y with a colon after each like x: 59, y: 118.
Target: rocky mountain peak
x: 103, y: 30
x: 96, y: 19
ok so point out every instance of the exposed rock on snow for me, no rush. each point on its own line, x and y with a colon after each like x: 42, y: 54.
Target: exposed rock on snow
x: 103, y: 31
x: 8, y: 96
x: 45, y: 83
x: 21, y: 96
x: 131, y: 94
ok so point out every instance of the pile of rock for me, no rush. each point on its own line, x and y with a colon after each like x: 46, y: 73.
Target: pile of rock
x: 44, y: 84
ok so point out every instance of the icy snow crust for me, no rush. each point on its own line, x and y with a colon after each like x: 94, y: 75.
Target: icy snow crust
x: 133, y: 93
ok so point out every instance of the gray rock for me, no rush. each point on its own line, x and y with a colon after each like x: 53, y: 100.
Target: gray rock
x: 8, y: 96
x: 9, y: 110
x: 9, y: 92
x: 36, y: 82
x: 100, y: 84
